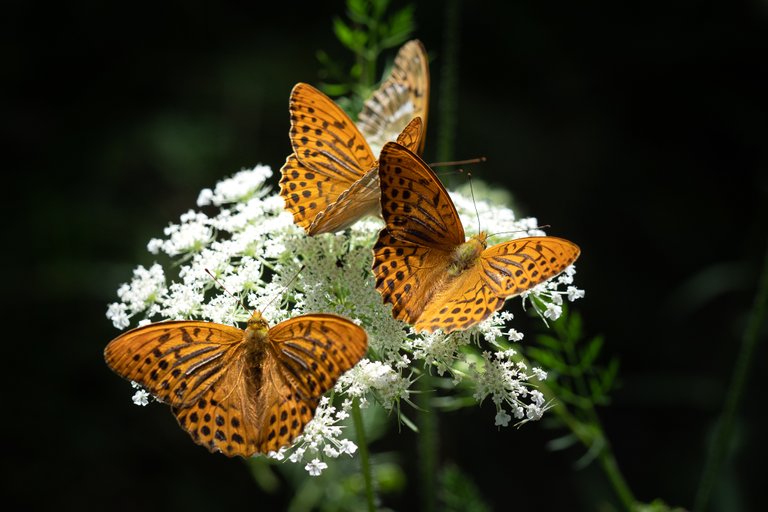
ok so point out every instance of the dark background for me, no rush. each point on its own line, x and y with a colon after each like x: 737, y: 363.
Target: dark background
x: 637, y: 130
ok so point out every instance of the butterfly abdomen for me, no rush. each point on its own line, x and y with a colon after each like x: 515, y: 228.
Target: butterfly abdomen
x: 466, y: 254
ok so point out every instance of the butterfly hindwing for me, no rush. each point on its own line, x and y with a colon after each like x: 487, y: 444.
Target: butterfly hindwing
x: 407, y: 274
x: 176, y: 361
x: 512, y: 267
x: 464, y: 301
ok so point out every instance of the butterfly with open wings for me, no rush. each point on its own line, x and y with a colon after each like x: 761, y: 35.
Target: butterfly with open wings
x: 240, y: 392
x: 424, y: 266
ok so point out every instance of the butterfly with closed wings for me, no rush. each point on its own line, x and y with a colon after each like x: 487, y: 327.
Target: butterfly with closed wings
x: 330, y: 180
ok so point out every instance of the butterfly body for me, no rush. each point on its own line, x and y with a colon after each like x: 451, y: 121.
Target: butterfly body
x: 424, y: 266
x: 240, y: 391
x: 467, y: 254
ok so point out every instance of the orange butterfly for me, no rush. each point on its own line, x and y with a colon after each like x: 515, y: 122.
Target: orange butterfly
x: 331, y: 180
x: 435, y: 278
x: 240, y: 392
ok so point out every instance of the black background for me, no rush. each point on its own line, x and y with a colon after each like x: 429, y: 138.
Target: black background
x: 636, y: 130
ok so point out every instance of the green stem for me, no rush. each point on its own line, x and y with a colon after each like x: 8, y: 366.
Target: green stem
x: 447, y: 101
x: 428, y: 443
x: 590, y: 433
x: 365, y: 463
x: 724, y: 429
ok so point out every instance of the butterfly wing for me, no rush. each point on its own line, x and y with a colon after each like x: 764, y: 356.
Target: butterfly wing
x: 324, y: 138
x: 327, y: 183
x: 414, y: 204
x: 264, y: 402
x: 501, y: 271
x: 512, y: 267
x: 313, y: 350
x: 402, y: 96
x: 407, y: 274
x: 175, y: 361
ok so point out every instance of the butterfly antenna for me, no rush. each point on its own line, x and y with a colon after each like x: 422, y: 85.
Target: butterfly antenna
x: 543, y: 226
x: 477, y: 160
x: 224, y: 288
x: 285, y: 287
x: 472, y: 192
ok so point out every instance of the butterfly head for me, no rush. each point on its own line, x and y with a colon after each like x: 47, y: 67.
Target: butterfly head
x: 466, y: 254
x: 257, y: 327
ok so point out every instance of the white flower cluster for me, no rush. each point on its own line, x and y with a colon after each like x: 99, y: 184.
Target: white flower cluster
x: 255, y: 250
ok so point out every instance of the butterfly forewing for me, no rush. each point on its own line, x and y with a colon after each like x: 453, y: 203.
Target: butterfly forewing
x: 512, y: 267
x: 175, y: 361
x: 324, y: 138
x: 312, y: 351
x: 414, y: 204
x: 402, y: 96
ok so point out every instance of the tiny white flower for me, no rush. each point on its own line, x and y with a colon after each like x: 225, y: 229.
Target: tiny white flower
x: 502, y: 418
x: 141, y: 397
x: 316, y: 467
x: 553, y: 311
x: 574, y: 293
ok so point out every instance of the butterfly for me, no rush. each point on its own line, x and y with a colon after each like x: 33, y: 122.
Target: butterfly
x: 435, y: 278
x: 240, y: 392
x: 331, y: 180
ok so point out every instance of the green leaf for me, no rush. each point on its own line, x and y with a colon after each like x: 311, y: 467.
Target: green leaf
x: 349, y: 37
x: 379, y: 6
x: 550, y: 342
x: 399, y: 28
x: 591, y: 352
x: 561, y: 443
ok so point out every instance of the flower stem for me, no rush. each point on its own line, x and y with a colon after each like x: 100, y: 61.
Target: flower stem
x: 724, y: 430
x: 427, y: 445
x: 365, y: 463
x: 449, y: 71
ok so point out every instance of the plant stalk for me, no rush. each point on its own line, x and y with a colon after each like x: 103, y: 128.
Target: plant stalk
x: 724, y: 430
x: 365, y: 462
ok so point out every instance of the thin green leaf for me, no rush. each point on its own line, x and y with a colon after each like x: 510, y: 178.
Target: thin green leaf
x: 561, y: 443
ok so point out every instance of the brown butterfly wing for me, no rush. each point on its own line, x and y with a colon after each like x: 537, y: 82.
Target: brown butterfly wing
x: 251, y: 410
x: 502, y: 271
x: 307, y: 193
x: 407, y: 274
x: 313, y: 350
x: 512, y: 267
x: 359, y: 200
x: 265, y: 399
x: 414, y: 204
x: 464, y: 302
x: 324, y: 138
x: 402, y: 96
x: 176, y: 361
